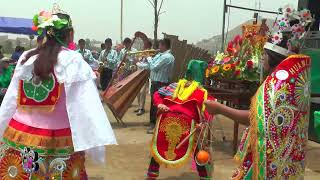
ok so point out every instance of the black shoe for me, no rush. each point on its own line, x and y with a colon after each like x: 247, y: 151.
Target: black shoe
x: 140, y: 112
x: 136, y: 111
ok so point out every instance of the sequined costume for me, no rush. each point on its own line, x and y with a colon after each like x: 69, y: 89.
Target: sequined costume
x: 273, y: 147
x: 47, y: 125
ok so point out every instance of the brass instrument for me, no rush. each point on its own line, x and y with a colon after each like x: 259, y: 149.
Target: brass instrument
x: 141, y: 55
x: 120, y: 94
x: 144, y: 53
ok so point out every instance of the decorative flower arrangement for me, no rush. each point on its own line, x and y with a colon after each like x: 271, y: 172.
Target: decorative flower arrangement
x: 240, y: 60
x: 297, y: 31
x: 44, y: 20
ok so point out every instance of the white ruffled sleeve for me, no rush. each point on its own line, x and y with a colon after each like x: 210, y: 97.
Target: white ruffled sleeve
x: 90, y: 126
x: 89, y: 123
x: 71, y: 67
x: 9, y: 103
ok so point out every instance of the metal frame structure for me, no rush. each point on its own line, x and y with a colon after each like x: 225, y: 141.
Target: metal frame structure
x: 225, y: 10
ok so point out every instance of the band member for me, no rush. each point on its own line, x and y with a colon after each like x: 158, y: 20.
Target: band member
x: 51, y: 112
x: 161, y: 67
x: 127, y: 44
x: 129, y: 62
x: 109, y: 59
x: 181, y: 110
x: 86, y: 54
x: 143, y: 93
x: 102, y: 46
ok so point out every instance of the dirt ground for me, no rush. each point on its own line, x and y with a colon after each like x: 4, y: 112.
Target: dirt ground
x: 129, y: 160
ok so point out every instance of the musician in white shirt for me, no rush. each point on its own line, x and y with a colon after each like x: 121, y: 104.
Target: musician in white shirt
x: 129, y: 61
x: 87, y: 55
x: 109, y: 58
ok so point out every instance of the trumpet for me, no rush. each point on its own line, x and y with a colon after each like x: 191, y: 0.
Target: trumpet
x: 144, y: 53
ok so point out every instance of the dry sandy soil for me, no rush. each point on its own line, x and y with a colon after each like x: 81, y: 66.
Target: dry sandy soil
x: 129, y: 160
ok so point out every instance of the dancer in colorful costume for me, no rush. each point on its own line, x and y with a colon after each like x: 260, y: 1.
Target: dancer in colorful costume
x: 180, y: 112
x: 51, y: 113
x: 273, y: 147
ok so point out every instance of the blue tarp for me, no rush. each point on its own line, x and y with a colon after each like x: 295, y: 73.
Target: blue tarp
x: 16, y: 25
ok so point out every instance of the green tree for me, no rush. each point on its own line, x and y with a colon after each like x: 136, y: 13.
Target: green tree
x: 157, y: 6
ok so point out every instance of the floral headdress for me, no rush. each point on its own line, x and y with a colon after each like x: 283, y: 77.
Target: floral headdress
x: 51, y: 23
x: 296, y: 32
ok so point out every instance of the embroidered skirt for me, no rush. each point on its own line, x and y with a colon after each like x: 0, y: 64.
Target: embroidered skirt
x: 39, y: 154
x: 170, y: 130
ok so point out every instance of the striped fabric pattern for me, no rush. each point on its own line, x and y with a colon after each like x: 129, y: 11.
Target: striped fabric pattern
x: 168, y: 90
x: 161, y: 67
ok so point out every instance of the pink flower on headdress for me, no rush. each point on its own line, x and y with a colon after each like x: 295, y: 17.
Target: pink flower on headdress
x: 305, y: 16
x: 288, y: 10
x: 277, y: 38
x: 283, y: 23
x: 46, y: 15
x: 298, y: 30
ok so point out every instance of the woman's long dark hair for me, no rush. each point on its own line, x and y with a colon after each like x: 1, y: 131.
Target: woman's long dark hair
x: 48, y: 54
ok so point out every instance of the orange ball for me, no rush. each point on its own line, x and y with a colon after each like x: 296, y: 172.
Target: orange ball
x: 203, y: 157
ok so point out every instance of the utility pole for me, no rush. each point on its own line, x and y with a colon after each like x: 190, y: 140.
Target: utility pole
x: 121, y: 22
x: 223, y: 24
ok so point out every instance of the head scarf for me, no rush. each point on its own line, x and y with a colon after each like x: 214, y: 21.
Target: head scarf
x: 196, y: 70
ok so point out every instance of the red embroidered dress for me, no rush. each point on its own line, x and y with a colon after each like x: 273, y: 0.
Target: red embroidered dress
x: 174, y: 126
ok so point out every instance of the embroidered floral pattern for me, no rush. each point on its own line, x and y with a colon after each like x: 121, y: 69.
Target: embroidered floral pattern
x: 302, y: 90
x: 11, y: 168
x: 75, y: 168
x: 38, y: 90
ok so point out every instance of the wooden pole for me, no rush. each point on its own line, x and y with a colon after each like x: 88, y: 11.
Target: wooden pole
x: 223, y: 24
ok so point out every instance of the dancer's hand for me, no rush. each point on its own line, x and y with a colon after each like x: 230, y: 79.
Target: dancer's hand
x: 163, y: 108
x: 213, y: 107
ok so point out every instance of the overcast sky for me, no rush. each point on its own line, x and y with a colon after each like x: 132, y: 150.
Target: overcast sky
x: 192, y: 20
